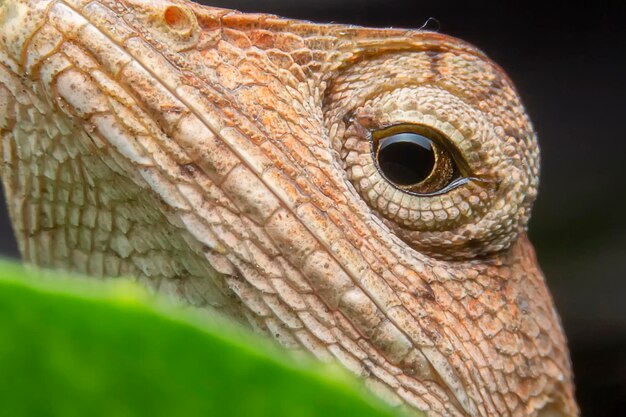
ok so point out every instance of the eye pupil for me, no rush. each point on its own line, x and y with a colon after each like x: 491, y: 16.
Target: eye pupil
x: 415, y: 158
x: 406, y: 158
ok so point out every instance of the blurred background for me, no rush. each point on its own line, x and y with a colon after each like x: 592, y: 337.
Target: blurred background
x: 569, y: 64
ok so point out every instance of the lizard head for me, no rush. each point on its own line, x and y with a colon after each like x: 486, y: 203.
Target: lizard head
x: 362, y: 194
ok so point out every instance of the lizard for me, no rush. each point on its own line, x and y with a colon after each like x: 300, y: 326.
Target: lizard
x: 359, y: 194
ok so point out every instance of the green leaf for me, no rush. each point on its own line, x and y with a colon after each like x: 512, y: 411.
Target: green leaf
x: 81, y: 347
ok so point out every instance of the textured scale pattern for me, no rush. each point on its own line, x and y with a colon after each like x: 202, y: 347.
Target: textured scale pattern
x: 224, y: 158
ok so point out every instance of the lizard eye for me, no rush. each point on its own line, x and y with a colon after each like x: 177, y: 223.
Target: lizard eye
x: 438, y: 146
x: 415, y: 159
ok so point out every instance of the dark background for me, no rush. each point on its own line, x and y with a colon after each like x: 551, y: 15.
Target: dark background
x: 569, y: 64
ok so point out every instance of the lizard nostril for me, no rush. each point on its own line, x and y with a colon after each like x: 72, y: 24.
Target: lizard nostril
x: 176, y: 18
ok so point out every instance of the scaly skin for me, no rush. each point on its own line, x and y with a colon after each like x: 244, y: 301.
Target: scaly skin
x: 225, y: 158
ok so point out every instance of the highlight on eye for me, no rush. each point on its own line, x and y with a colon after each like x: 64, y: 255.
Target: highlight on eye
x: 415, y: 159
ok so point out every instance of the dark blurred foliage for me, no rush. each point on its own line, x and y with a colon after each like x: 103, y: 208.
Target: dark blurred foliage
x: 569, y: 64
